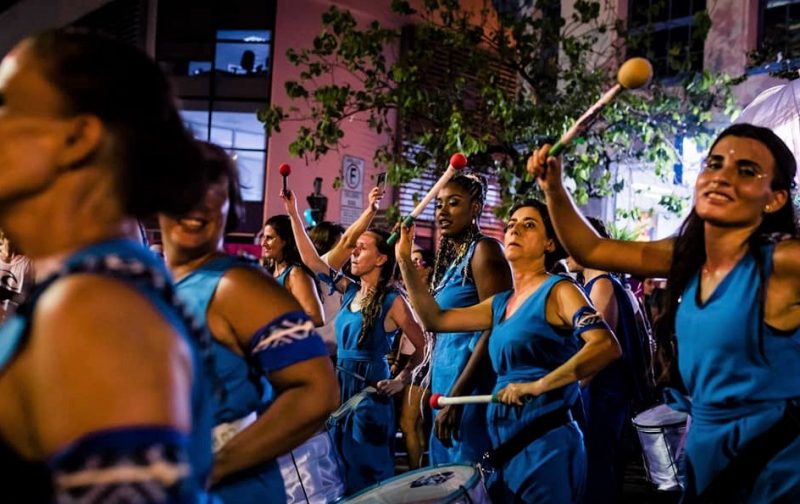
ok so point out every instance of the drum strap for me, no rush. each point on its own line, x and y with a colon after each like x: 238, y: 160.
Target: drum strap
x: 528, y: 434
x: 742, y: 471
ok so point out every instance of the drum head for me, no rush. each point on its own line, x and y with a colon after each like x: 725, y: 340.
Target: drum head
x: 430, y: 485
x: 660, y: 416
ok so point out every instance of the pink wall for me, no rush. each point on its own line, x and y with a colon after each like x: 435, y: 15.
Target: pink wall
x: 297, y: 22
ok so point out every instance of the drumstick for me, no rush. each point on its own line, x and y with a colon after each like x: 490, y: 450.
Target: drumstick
x: 633, y: 74
x: 457, y: 162
x: 285, y: 170
x: 439, y: 401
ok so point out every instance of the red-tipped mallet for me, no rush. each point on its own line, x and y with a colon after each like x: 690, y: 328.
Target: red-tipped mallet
x: 457, y: 162
x: 439, y: 401
x: 285, y: 170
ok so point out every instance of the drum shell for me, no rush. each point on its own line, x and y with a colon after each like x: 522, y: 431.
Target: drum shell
x: 312, y: 472
x: 662, y: 445
x: 443, y: 484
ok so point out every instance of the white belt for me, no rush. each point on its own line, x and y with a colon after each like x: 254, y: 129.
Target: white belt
x: 223, y: 432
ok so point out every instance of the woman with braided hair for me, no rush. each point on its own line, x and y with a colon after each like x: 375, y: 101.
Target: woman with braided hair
x: 469, y: 268
x: 103, y: 390
x: 733, y: 318
x: 372, y: 315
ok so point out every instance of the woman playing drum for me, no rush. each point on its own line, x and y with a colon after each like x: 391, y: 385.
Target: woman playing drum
x: 734, y: 310
x: 469, y: 268
x: 372, y: 315
x: 534, y: 349
x: 259, y: 332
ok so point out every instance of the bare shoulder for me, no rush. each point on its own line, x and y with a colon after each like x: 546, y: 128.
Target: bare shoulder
x: 96, y: 309
x: 488, y: 251
x: 248, y: 298
x: 565, y: 299
x: 299, y: 276
x: 567, y: 290
x: 786, y: 258
x: 98, y: 341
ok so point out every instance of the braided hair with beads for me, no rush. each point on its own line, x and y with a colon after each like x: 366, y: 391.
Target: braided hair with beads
x: 451, y: 250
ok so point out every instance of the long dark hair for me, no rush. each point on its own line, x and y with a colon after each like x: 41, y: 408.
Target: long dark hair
x: 282, y: 225
x: 155, y: 156
x: 550, y: 258
x: 689, y: 252
x: 372, y: 306
x: 450, y: 252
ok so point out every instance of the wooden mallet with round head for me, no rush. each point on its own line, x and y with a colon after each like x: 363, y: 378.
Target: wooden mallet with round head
x: 633, y: 74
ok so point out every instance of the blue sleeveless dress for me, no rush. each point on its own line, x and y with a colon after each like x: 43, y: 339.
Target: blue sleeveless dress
x: 364, y: 437
x: 451, y: 351
x: 24, y: 481
x: 737, y: 393
x: 607, y: 403
x: 524, y: 348
x: 242, y: 385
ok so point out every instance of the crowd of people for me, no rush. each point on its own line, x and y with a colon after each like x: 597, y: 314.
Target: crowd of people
x: 202, y: 377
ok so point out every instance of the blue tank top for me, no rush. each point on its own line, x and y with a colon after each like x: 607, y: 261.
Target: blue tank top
x: 718, y: 348
x: 615, y: 379
x: 281, y: 279
x: 33, y: 479
x: 369, y: 360
x: 525, y: 347
x: 243, y: 390
x: 452, y: 350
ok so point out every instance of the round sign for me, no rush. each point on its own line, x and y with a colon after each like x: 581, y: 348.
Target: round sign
x: 352, y: 176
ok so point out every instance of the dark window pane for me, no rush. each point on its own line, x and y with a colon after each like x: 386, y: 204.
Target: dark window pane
x: 251, y: 173
x: 681, y: 8
x: 242, y: 58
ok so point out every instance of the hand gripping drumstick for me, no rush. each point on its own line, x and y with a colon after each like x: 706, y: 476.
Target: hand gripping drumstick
x: 439, y: 401
x: 285, y: 170
x: 633, y: 74
x: 457, y: 162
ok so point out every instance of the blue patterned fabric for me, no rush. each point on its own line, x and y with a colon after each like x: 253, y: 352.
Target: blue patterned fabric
x: 736, y: 392
x: 125, y: 465
x: 523, y: 348
x: 364, y: 436
x: 24, y: 481
x: 451, y: 352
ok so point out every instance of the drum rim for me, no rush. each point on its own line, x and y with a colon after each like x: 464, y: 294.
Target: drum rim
x: 661, y: 426
x: 469, y: 485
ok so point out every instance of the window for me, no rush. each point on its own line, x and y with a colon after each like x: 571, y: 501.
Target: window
x: 780, y: 29
x: 243, y: 136
x: 219, y: 55
x: 670, y: 33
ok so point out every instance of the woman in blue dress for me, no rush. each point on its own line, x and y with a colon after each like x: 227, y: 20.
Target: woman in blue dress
x: 373, y: 314
x: 734, y: 291
x: 469, y: 268
x: 534, y: 349
x: 259, y: 331
x: 103, y: 391
x: 283, y: 261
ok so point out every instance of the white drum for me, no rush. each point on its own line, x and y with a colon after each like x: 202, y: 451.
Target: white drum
x: 312, y: 472
x: 662, y: 433
x: 451, y: 484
